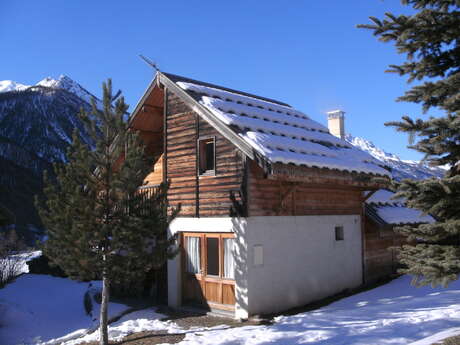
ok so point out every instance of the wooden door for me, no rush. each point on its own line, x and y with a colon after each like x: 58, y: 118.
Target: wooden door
x: 208, y: 270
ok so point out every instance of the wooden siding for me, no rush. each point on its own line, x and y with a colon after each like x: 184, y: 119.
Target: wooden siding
x: 268, y: 197
x: 310, y: 175
x: 379, y: 259
x: 200, y: 196
x: 240, y: 187
x: 155, y: 177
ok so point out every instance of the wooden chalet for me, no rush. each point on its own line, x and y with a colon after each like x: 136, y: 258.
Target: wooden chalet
x: 272, y: 203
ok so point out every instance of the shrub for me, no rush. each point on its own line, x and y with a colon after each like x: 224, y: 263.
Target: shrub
x: 10, y: 261
x: 42, y: 265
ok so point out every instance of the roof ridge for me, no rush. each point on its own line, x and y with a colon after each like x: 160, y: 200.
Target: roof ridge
x: 176, y: 78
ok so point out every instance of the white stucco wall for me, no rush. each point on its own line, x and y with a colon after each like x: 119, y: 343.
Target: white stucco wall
x: 218, y: 224
x: 302, y: 261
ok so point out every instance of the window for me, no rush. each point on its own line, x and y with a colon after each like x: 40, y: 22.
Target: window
x: 206, y: 156
x: 193, y: 254
x: 339, y: 233
x: 209, y: 255
x: 212, y: 256
x: 229, y: 262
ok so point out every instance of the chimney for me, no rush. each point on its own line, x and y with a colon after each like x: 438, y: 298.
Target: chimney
x: 336, y: 123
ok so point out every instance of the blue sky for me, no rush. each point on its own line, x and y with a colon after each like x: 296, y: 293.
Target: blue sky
x: 306, y: 53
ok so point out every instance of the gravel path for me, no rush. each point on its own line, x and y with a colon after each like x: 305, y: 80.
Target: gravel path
x: 185, y: 320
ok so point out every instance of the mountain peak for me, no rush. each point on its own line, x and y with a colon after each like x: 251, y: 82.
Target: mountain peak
x: 63, y: 82
x: 66, y: 83
x: 371, y: 148
x: 10, y: 85
x: 401, y: 169
x: 48, y: 82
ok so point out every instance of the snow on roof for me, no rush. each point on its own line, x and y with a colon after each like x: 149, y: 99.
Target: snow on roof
x: 281, y: 133
x: 402, y: 215
x: 394, y: 211
x: 383, y: 197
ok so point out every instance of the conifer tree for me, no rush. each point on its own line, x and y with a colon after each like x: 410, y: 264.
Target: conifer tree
x: 6, y: 217
x: 99, y: 224
x: 430, y: 40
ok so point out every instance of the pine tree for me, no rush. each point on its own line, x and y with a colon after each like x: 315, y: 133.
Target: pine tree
x: 6, y: 217
x: 99, y: 224
x: 430, y: 40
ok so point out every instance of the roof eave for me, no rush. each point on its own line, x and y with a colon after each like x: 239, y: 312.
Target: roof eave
x: 146, y: 94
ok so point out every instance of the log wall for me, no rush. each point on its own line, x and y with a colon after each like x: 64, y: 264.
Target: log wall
x: 379, y: 260
x: 155, y: 177
x: 268, y: 197
x: 199, y: 196
x: 239, y: 186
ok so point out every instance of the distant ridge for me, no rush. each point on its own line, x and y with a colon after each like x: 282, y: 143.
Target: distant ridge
x: 401, y: 169
x: 36, y: 127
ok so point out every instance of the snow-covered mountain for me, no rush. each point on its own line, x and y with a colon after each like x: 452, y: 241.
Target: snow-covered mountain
x: 401, y: 169
x: 66, y: 83
x: 36, y: 127
x: 9, y: 85
x: 40, y: 119
x: 63, y: 82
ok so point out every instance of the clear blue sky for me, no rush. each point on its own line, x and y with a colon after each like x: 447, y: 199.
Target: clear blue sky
x: 306, y: 53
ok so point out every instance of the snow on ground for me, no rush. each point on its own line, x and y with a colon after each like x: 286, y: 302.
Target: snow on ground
x: 438, y: 337
x: 36, y: 308
x: 396, y: 313
x: 47, y: 311
x: 138, y: 321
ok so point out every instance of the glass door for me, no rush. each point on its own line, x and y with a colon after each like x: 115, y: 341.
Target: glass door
x: 209, y: 269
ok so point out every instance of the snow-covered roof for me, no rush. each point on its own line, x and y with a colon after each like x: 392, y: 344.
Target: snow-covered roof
x: 402, y: 215
x: 394, y: 211
x: 280, y: 133
x: 383, y: 197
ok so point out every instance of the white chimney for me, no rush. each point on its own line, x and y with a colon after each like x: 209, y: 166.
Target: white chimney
x: 336, y: 123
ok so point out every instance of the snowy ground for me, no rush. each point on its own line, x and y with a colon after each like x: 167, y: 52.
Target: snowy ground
x: 38, y: 309
x: 396, y: 313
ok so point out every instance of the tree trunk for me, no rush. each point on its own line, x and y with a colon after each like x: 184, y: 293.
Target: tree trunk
x: 103, y: 332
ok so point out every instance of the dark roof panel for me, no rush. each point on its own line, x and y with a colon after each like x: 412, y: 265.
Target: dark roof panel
x: 177, y: 78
